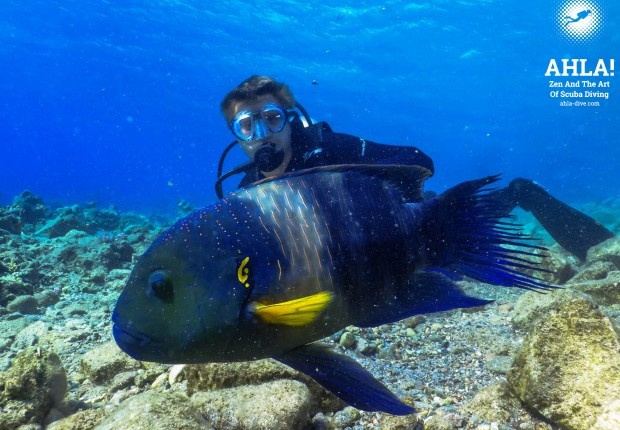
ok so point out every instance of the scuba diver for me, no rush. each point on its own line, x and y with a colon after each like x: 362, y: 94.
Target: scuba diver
x: 581, y: 15
x: 278, y: 135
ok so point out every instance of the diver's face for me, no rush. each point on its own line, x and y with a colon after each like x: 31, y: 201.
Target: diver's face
x: 281, y: 141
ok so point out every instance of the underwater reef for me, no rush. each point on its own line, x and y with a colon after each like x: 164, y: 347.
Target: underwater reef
x: 526, y: 361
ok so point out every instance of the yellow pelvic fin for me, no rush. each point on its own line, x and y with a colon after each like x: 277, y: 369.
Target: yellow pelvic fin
x: 296, y: 313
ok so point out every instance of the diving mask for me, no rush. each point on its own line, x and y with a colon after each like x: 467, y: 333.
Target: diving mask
x: 248, y: 126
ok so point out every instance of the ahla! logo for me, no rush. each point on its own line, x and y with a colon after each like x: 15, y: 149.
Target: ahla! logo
x: 579, y: 20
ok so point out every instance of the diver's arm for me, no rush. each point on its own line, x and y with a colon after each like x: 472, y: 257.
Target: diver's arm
x: 347, y: 149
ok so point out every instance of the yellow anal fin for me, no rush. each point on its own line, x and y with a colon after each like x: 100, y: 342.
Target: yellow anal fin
x: 296, y: 313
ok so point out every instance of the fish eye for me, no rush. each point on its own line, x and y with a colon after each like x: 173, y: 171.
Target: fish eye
x: 160, y: 286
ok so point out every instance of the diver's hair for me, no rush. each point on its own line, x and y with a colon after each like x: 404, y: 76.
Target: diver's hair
x: 256, y: 86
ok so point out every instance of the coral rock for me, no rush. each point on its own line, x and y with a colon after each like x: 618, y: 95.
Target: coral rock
x: 212, y: 376
x: 105, y: 361
x: 609, y: 418
x: 155, y: 410
x: 29, y: 207
x: 606, y: 251
x: 34, y: 383
x: 533, y: 306
x: 81, y: 420
x: 25, y: 304
x: 494, y: 403
x: 10, y: 223
x: 604, y: 291
x: 278, y: 405
x: 569, y: 365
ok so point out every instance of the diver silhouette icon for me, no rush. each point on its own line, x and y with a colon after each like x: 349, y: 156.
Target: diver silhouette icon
x: 581, y: 15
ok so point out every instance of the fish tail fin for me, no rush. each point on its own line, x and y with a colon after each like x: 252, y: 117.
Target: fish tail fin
x: 464, y: 234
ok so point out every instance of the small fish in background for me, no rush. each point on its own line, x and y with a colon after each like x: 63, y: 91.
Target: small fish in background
x: 274, y: 267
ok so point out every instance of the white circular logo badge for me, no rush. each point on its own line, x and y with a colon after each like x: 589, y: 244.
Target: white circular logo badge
x: 579, y: 20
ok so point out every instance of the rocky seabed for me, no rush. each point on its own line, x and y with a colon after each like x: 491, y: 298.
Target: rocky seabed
x: 527, y: 361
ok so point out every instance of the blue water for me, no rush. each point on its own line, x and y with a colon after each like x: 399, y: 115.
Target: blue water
x: 118, y: 102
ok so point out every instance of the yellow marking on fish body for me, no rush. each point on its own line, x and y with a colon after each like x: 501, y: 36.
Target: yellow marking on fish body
x: 303, y: 232
x: 302, y: 215
x: 294, y: 313
x: 318, y: 257
x: 275, y: 206
x: 263, y: 224
x: 292, y: 239
x: 280, y: 271
x: 260, y: 205
x: 243, y: 272
x: 280, y: 242
x: 288, y: 202
x: 301, y: 197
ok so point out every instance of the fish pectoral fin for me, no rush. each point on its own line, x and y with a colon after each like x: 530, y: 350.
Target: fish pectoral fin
x: 296, y: 313
x: 344, y: 377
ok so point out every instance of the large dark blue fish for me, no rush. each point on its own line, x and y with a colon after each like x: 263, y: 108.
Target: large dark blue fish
x: 276, y: 266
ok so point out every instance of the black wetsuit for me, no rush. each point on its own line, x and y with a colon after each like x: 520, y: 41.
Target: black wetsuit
x: 318, y: 145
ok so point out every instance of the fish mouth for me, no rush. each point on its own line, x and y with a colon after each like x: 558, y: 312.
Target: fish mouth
x: 126, y: 337
x: 130, y: 340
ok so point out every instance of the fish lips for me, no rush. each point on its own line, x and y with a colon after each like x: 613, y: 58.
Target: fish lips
x: 134, y: 343
x: 125, y: 337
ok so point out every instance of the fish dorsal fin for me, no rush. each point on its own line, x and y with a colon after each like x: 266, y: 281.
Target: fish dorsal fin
x: 295, y: 313
x: 408, y: 179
